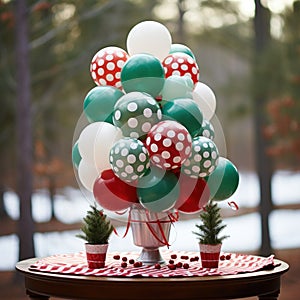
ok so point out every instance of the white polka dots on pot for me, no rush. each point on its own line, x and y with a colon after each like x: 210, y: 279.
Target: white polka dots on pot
x: 203, y: 159
x: 169, y: 144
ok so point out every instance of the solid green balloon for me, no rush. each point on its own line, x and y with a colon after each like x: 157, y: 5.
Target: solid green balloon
x: 158, y: 190
x: 99, y: 103
x: 186, y: 112
x: 224, y: 181
x: 143, y: 73
x: 76, y: 157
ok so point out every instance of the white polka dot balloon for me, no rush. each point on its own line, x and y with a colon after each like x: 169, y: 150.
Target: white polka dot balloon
x: 106, y: 66
x: 129, y: 159
x: 207, y: 130
x: 135, y: 113
x: 181, y: 64
x: 203, y: 159
x: 169, y: 144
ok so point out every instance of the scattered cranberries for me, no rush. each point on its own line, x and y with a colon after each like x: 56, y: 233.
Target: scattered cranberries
x: 137, y: 264
x: 179, y: 264
x: 171, y: 261
x: 123, y: 264
x: 174, y: 256
x: 222, y: 257
x: 131, y: 261
x: 124, y: 258
x: 171, y: 266
x: 228, y: 257
x: 116, y: 257
x: 184, y: 257
x: 186, y: 266
x: 157, y: 266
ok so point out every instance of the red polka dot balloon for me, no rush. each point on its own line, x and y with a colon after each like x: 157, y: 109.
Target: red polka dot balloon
x: 181, y: 64
x: 169, y: 144
x: 106, y: 66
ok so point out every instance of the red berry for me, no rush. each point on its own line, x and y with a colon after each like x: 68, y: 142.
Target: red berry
x: 137, y: 264
x: 123, y: 264
x: 171, y: 261
x: 186, y: 266
x: 222, y: 257
x: 131, y: 261
x: 124, y: 258
x: 228, y: 256
x: 192, y: 259
x: 184, y: 257
x: 116, y: 257
x: 196, y: 258
x: 157, y: 266
x: 172, y: 266
x: 179, y: 264
x: 174, y: 256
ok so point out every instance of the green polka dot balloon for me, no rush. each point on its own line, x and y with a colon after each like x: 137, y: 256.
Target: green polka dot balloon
x: 129, y: 159
x: 135, y: 113
x: 203, y: 159
x: 207, y: 130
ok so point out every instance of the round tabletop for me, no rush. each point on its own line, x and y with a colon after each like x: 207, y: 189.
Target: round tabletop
x: 41, y: 285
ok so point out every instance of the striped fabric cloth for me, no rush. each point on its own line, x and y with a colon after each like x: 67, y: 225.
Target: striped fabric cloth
x: 187, y: 264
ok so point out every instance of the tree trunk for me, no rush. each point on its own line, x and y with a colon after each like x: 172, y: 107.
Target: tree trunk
x: 264, y: 168
x: 24, y: 133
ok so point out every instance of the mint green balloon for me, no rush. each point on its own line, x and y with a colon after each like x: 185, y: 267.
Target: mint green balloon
x: 76, y: 157
x: 186, y: 112
x: 143, y: 73
x: 99, y: 103
x: 183, y: 49
x: 177, y: 87
x: 158, y: 190
x: 224, y: 181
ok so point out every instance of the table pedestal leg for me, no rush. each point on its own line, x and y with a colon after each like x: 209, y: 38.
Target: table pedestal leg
x: 273, y: 296
x: 34, y: 296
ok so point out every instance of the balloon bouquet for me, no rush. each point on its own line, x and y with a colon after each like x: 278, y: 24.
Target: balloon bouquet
x: 149, y: 141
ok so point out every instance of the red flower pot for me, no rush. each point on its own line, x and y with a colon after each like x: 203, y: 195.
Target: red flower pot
x: 96, y: 255
x: 210, y: 255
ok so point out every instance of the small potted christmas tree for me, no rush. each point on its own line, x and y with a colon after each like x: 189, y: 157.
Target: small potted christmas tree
x: 208, y: 233
x: 96, y: 231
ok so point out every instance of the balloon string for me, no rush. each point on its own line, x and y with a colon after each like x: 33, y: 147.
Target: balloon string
x: 233, y: 205
x: 164, y: 242
x: 127, y: 225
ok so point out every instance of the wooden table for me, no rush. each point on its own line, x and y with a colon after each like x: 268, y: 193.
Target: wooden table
x: 264, y: 284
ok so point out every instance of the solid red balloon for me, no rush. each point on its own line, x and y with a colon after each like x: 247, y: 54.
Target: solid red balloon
x: 194, y: 194
x: 112, y: 193
x: 181, y: 64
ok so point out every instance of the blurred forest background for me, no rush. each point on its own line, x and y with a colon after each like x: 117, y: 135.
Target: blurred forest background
x: 248, y: 52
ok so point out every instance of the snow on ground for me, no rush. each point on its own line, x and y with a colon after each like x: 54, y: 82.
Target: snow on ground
x: 244, y: 231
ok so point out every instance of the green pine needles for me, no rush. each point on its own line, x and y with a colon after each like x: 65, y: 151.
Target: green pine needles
x: 209, y: 231
x: 96, y: 228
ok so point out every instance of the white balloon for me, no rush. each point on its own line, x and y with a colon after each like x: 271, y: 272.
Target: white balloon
x: 87, y: 174
x: 206, y: 100
x: 149, y: 37
x: 95, y: 142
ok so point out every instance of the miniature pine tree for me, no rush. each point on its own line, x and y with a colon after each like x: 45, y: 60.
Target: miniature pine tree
x: 209, y: 231
x: 96, y: 228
